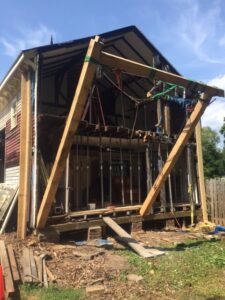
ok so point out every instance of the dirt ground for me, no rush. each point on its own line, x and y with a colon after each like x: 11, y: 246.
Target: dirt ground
x: 87, y: 265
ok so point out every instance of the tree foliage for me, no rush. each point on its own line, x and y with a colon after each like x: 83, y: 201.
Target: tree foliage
x: 213, y: 156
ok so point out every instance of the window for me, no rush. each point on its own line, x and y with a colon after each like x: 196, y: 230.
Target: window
x: 14, y: 113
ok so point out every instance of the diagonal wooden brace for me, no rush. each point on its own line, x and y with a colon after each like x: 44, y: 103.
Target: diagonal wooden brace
x: 83, y: 87
x: 173, y: 156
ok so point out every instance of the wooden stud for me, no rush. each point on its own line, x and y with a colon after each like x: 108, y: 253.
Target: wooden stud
x: 27, y: 274
x: 45, y: 277
x: 39, y: 265
x: 73, y: 119
x: 13, y: 263
x: 34, y: 272
x: 200, y: 169
x: 25, y: 155
x: 173, y: 156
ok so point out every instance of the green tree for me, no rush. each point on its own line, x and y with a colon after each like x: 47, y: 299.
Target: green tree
x: 213, y: 156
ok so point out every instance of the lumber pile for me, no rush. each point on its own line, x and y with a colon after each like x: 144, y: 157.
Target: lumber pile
x: 10, y: 273
x: 33, y: 269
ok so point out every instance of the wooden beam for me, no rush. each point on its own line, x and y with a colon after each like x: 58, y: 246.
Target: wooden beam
x: 25, y: 155
x: 173, y: 156
x: 138, y: 69
x: 71, y: 226
x: 75, y: 115
x: 126, y: 238
x: 200, y: 169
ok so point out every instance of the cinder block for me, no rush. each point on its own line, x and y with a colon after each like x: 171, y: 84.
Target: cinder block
x: 136, y: 226
x: 94, y: 233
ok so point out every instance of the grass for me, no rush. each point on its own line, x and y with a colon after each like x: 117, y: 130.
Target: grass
x: 53, y: 292
x: 193, y: 270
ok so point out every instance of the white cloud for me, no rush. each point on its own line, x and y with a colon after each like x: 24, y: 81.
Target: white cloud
x: 218, y: 81
x: 27, y: 38
x: 215, y: 112
x: 198, y: 29
x: 222, y: 41
x: 214, y: 115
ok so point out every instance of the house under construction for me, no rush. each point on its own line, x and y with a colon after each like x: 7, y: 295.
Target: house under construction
x: 100, y: 126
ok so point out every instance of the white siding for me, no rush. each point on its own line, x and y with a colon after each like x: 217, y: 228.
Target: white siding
x: 5, y: 114
x: 12, y: 175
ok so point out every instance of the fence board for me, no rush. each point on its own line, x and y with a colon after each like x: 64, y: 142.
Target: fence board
x: 215, y: 194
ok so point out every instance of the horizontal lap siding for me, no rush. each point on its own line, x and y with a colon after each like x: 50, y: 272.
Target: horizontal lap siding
x: 12, y: 175
x: 12, y: 145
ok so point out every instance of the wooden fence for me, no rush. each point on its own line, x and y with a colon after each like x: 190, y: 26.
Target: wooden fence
x: 215, y: 193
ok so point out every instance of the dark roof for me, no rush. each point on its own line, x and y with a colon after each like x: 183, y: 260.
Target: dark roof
x: 128, y: 42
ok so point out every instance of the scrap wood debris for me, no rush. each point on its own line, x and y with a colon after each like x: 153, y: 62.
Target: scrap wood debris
x: 70, y: 265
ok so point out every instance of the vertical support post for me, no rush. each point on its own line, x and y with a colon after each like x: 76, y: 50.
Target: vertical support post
x: 25, y: 155
x: 201, y: 179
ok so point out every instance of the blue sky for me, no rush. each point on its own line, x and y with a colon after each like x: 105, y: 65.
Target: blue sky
x: 189, y: 33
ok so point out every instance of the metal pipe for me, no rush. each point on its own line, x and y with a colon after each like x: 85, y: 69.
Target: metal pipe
x: 87, y: 171
x: 77, y: 176
x: 35, y: 150
x: 101, y: 174
x: 110, y: 171
x: 122, y: 174
x: 139, y: 175
x: 131, y: 175
x: 67, y: 188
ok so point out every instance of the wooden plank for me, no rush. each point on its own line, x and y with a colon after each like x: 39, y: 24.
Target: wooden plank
x: 103, y: 211
x: 33, y: 267
x: 8, y: 278
x: 138, y: 69
x: 138, y: 248
x: 25, y: 155
x: 27, y: 274
x: 45, y: 277
x: 201, y: 178
x: 212, y: 201
x: 39, y: 264
x: 72, y: 122
x: 13, y: 263
x: 173, y: 156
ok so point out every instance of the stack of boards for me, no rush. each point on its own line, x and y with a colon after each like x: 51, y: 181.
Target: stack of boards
x: 33, y: 271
